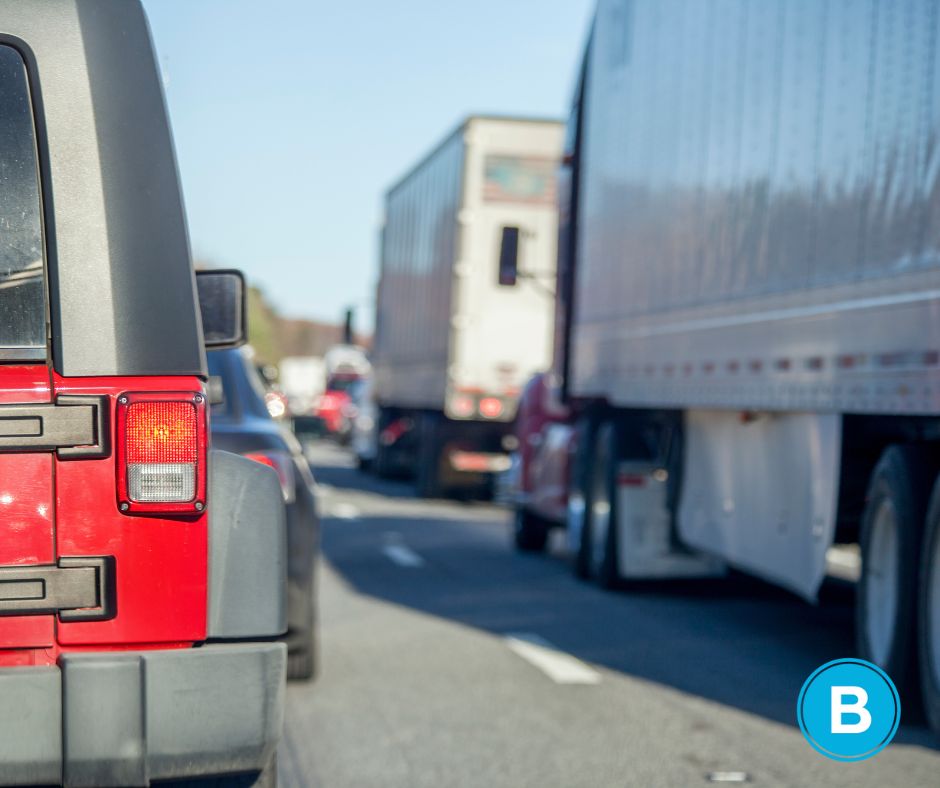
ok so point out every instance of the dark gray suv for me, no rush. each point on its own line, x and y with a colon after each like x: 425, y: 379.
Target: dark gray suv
x: 241, y: 424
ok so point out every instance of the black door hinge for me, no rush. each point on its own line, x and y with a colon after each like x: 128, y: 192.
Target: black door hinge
x: 77, y: 589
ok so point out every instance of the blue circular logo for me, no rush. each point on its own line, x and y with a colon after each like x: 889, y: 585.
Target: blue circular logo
x: 849, y: 709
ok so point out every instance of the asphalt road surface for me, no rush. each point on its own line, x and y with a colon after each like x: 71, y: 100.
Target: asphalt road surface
x: 450, y: 660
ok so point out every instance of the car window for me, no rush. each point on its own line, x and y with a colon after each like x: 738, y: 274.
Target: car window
x: 22, y: 279
x: 342, y: 382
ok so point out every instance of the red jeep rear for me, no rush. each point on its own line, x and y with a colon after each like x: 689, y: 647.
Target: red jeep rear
x: 119, y: 551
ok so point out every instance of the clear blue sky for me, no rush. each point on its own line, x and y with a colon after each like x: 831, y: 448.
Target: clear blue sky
x: 291, y: 118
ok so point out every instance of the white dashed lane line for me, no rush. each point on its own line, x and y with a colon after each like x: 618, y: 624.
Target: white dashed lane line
x: 560, y: 667
x: 399, y: 553
x: 344, y: 511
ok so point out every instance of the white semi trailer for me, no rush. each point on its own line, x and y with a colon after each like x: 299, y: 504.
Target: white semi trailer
x: 749, y: 303
x: 465, y: 298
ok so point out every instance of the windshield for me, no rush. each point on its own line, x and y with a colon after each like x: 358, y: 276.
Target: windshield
x: 342, y: 382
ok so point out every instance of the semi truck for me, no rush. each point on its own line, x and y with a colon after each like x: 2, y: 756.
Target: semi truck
x: 465, y: 299
x: 747, y: 350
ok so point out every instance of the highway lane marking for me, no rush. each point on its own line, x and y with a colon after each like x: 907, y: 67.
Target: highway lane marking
x: 399, y: 553
x: 344, y: 511
x: 560, y: 667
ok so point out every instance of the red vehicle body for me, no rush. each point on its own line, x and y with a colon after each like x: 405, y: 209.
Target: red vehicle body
x: 333, y: 406
x: 330, y: 410
x: 546, y: 443
x: 56, y: 507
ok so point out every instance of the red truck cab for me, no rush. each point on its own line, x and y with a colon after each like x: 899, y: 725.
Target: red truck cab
x: 545, y: 443
x: 141, y: 572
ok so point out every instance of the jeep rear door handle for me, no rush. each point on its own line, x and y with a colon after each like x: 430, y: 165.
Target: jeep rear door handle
x: 78, y: 589
x: 73, y: 427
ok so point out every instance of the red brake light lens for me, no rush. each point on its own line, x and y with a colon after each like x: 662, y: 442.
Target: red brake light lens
x: 161, y: 432
x: 491, y: 408
x: 161, y: 452
x: 462, y: 406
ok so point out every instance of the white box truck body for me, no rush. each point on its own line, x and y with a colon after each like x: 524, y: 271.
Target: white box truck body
x: 302, y: 379
x: 454, y: 342
x: 749, y: 301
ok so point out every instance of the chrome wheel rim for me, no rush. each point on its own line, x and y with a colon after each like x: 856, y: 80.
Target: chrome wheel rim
x: 881, y: 582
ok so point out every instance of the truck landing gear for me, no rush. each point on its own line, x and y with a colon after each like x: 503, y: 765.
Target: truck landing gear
x: 626, y: 525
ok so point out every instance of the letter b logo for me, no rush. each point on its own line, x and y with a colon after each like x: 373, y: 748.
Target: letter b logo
x: 841, y: 709
x: 849, y: 709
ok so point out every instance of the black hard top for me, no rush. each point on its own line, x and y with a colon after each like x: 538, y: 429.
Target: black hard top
x: 122, y: 290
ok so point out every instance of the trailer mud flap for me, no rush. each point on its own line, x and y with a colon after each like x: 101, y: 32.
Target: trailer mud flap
x: 762, y: 492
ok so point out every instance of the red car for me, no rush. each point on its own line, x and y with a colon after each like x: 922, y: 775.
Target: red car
x: 333, y: 406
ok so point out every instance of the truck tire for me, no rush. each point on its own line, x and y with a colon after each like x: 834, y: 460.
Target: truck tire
x: 928, y: 618
x: 892, y: 523
x: 427, y: 472
x: 601, y: 525
x: 530, y: 533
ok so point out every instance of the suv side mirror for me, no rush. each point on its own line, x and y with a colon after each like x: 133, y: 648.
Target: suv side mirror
x: 509, y: 256
x: 222, y: 301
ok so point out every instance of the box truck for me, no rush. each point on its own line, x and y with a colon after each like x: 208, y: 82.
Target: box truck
x: 302, y: 379
x: 465, y: 298
x: 748, y: 310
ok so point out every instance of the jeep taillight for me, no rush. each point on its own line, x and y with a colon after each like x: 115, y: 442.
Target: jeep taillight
x: 161, y: 452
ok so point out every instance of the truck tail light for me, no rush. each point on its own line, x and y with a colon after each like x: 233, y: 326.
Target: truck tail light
x: 491, y: 408
x: 462, y: 406
x: 161, y: 452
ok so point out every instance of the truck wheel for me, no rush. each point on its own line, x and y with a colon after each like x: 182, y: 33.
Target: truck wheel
x: 928, y: 623
x: 427, y: 473
x: 602, y: 522
x: 530, y: 533
x: 892, y: 522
